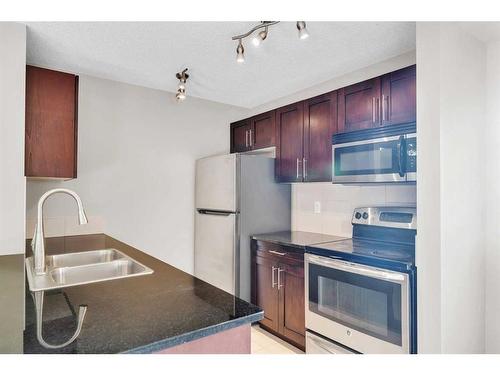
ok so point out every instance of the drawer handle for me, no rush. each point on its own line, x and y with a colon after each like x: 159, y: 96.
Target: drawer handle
x: 276, y: 252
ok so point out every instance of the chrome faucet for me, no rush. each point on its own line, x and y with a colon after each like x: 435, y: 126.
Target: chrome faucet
x: 38, y: 242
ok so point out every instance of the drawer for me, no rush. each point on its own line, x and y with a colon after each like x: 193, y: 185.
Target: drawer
x: 284, y: 254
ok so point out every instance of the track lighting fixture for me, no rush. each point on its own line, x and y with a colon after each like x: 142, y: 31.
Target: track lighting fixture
x: 181, y: 88
x: 303, y: 33
x: 262, y: 35
x: 240, y: 53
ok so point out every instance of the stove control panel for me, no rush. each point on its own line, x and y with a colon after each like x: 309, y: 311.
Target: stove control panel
x: 390, y: 216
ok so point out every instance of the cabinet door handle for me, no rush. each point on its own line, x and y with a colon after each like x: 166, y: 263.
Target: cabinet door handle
x: 304, y: 168
x: 298, y: 169
x: 385, y: 107
x: 373, y: 110
x: 246, y: 138
x: 276, y: 252
x: 273, y: 283
x: 251, y: 137
x: 279, y: 279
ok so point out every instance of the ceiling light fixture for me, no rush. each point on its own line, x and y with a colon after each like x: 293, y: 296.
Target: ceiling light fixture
x: 303, y: 33
x: 181, y: 88
x: 240, y: 53
x: 262, y: 35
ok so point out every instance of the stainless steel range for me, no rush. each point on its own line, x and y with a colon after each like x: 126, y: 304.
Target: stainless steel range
x: 361, y: 292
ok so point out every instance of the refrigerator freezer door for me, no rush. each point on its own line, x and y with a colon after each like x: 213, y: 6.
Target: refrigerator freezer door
x: 217, y: 183
x: 216, y: 258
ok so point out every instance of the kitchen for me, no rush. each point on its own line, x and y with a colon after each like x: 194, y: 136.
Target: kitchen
x: 269, y: 197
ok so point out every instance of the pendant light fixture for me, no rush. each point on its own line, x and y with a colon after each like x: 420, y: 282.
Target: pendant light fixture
x: 181, y: 88
x: 262, y: 35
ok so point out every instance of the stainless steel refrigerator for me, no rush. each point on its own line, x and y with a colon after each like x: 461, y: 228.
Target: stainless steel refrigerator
x: 236, y: 196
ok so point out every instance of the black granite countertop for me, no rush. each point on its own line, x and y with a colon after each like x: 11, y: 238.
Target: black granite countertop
x: 296, y: 238
x: 136, y: 315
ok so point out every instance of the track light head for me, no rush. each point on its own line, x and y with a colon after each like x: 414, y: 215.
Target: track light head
x: 303, y: 33
x: 240, y: 53
x: 260, y: 37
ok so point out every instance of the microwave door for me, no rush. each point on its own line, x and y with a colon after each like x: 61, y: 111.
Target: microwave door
x: 369, y: 161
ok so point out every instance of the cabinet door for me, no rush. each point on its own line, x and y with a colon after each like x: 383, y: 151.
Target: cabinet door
x: 240, y: 136
x: 399, y: 96
x: 292, y: 302
x: 263, y: 132
x: 359, y: 106
x: 51, y: 123
x: 320, y: 123
x: 289, y: 145
x: 266, y: 290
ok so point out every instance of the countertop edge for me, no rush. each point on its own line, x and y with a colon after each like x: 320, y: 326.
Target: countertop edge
x: 277, y: 242
x: 194, y: 335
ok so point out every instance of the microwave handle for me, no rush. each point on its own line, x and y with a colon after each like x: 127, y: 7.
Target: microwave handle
x: 402, y: 156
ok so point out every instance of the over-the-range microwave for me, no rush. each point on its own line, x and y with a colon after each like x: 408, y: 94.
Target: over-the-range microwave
x: 378, y: 155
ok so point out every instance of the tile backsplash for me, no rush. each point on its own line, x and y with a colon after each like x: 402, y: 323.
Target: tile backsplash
x: 337, y: 203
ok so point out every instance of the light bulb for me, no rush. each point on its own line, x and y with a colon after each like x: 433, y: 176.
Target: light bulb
x: 182, y: 86
x: 181, y: 95
x: 259, y: 38
x: 303, y: 33
x: 240, y: 53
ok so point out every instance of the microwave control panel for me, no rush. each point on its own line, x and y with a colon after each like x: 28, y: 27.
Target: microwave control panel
x: 411, y: 154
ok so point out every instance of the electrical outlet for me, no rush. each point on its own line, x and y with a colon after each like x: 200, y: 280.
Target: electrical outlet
x: 317, y: 207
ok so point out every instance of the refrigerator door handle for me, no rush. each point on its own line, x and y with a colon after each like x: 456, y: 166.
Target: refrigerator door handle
x: 214, y: 212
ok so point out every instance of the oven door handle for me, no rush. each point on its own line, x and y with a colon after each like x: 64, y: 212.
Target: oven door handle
x: 359, y: 269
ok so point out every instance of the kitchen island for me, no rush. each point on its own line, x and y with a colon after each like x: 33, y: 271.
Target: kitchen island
x: 169, y: 311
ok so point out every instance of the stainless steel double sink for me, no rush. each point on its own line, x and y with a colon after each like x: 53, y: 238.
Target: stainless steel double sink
x: 86, y: 267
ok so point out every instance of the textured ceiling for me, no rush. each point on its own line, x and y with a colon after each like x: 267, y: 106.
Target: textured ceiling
x: 150, y: 53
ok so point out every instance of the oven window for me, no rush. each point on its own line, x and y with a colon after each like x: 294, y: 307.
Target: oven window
x: 371, y: 158
x: 369, y: 305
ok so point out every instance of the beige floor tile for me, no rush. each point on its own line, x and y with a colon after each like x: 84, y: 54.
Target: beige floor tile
x: 265, y: 343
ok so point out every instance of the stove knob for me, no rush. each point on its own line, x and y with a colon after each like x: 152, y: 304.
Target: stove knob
x: 357, y: 215
x: 365, y: 215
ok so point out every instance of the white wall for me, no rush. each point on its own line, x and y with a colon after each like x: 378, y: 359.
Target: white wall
x: 136, y: 154
x: 12, y: 181
x: 450, y: 244
x: 492, y: 198
x: 428, y: 242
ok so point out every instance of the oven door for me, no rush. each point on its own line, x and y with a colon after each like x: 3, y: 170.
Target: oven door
x: 361, y: 307
x: 374, y: 160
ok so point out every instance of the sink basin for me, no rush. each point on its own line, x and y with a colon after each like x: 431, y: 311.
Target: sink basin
x: 83, y: 258
x: 83, y: 268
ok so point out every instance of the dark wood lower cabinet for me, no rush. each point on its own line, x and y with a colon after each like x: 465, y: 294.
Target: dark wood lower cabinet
x: 278, y: 288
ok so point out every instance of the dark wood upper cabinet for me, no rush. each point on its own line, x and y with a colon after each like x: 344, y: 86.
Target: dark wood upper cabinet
x: 51, y: 124
x: 263, y: 132
x: 358, y: 106
x: 290, y: 143
x: 240, y: 136
x: 253, y: 133
x: 320, y: 123
x: 399, y: 97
